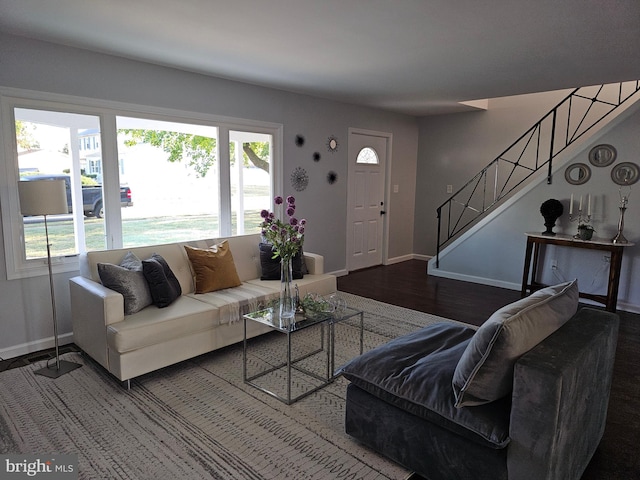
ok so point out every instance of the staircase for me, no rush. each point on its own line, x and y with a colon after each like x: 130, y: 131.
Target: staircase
x: 535, y: 150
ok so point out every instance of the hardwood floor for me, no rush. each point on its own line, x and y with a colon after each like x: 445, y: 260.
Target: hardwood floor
x: 406, y: 284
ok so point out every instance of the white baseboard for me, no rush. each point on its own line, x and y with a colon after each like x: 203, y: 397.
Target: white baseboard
x: 622, y: 306
x: 473, y: 279
x: 35, y: 346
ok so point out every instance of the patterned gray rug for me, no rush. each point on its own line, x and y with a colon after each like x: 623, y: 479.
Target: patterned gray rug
x: 198, y: 419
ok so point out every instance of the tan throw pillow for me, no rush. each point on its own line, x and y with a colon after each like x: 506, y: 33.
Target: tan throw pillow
x: 213, y: 267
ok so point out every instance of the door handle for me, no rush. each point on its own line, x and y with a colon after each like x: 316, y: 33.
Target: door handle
x: 382, y: 212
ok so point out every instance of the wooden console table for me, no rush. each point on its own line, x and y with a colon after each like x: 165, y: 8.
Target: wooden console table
x: 535, y: 240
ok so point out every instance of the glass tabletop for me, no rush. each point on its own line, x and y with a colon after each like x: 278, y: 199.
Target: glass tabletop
x: 271, y: 317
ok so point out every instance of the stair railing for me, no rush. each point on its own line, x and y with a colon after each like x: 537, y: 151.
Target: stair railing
x: 569, y: 120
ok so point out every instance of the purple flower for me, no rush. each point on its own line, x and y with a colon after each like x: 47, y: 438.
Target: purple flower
x: 293, y: 221
x: 303, y: 221
x: 291, y: 210
x: 272, y: 215
x: 301, y: 230
x: 291, y: 200
x: 274, y: 228
x: 264, y: 213
x: 278, y: 200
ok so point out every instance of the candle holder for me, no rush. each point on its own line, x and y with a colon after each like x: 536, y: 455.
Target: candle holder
x: 624, y: 200
x: 583, y: 224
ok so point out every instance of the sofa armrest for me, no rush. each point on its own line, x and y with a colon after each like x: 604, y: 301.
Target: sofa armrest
x: 314, y: 262
x: 93, y: 307
x: 560, y: 398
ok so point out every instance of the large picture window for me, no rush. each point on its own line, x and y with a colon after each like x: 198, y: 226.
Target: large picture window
x: 133, y: 177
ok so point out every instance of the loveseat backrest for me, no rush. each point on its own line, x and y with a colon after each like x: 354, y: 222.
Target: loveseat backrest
x: 245, y: 250
x: 173, y: 253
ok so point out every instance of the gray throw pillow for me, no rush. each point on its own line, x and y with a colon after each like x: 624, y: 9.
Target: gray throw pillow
x: 130, y: 283
x: 485, y: 370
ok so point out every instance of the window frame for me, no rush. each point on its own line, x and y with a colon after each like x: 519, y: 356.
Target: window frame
x: 17, y: 266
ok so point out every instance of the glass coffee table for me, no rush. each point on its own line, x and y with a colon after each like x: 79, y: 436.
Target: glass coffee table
x: 302, y: 360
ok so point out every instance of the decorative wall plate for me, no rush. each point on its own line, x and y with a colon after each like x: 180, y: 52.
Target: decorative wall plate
x: 316, y: 156
x: 602, y: 155
x: 577, y: 173
x: 299, y: 140
x: 332, y: 177
x: 625, y: 173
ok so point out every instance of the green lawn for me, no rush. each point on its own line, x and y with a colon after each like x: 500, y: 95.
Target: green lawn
x: 137, y: 232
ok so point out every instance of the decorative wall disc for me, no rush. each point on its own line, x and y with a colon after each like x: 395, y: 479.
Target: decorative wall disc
x: 316, y: 156
x: 625, y: 173
x: 332, y: 144
x: 299, y: 179
x: 602, y: 155
x: 332, y: 177
x: 577, y: 173
x: 299, y: 140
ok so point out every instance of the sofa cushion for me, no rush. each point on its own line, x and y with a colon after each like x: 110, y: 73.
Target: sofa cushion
x: 163, y: 284
x: 270, y: 266
x: 414, y: 373
x: 155, y: 326
x: 213, y: 267
x: 485, y: 371
x: 131, y: 284
x: 232, y: 303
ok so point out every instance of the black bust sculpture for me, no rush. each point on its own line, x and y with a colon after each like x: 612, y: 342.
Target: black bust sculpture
x: 551, y: 210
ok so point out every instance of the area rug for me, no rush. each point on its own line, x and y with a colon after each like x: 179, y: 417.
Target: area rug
x: 198, y: 419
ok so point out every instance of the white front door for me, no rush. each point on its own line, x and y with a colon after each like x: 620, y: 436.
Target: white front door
x: 365, y: 199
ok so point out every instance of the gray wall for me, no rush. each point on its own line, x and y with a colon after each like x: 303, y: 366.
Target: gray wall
x: 39, y: 66
x: 455, y: 148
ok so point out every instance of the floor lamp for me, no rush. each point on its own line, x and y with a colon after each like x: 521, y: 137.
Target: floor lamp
x: 47, y: 197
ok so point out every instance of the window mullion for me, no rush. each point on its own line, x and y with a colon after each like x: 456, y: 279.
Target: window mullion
x: 225, y: 181
x: 111, y: 181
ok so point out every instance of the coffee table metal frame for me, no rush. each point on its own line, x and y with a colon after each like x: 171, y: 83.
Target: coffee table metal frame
x: 300, y: 322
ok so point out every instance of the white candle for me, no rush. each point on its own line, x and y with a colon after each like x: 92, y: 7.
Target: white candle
x: 571, y: 205
x: 580, y: 207
x: 589, y: 204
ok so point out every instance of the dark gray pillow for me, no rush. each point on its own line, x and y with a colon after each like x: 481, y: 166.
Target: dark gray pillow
x: 130, y: 283
x: 271, y: 266
x: 485, y: 370
x: 163, y: 284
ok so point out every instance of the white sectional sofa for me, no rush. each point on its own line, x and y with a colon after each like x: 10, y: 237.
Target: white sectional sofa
x: 152, y: 338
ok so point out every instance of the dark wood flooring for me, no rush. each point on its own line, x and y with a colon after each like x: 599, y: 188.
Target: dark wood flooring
x: 406, y: 284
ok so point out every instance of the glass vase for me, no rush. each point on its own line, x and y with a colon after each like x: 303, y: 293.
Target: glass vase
x: 287, y: 303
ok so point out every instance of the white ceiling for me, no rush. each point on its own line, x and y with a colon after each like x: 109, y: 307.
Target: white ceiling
x: 413, y: 56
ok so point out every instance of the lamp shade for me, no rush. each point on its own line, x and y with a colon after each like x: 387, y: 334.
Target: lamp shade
x: 43, y: 197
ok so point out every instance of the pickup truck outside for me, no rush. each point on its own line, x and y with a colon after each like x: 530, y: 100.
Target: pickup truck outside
x: 91, y: 194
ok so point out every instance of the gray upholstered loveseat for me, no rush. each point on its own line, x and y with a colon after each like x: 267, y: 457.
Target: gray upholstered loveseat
x: 414, y: 399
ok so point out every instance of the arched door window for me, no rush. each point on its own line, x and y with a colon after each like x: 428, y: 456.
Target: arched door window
x: 368, y: 155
